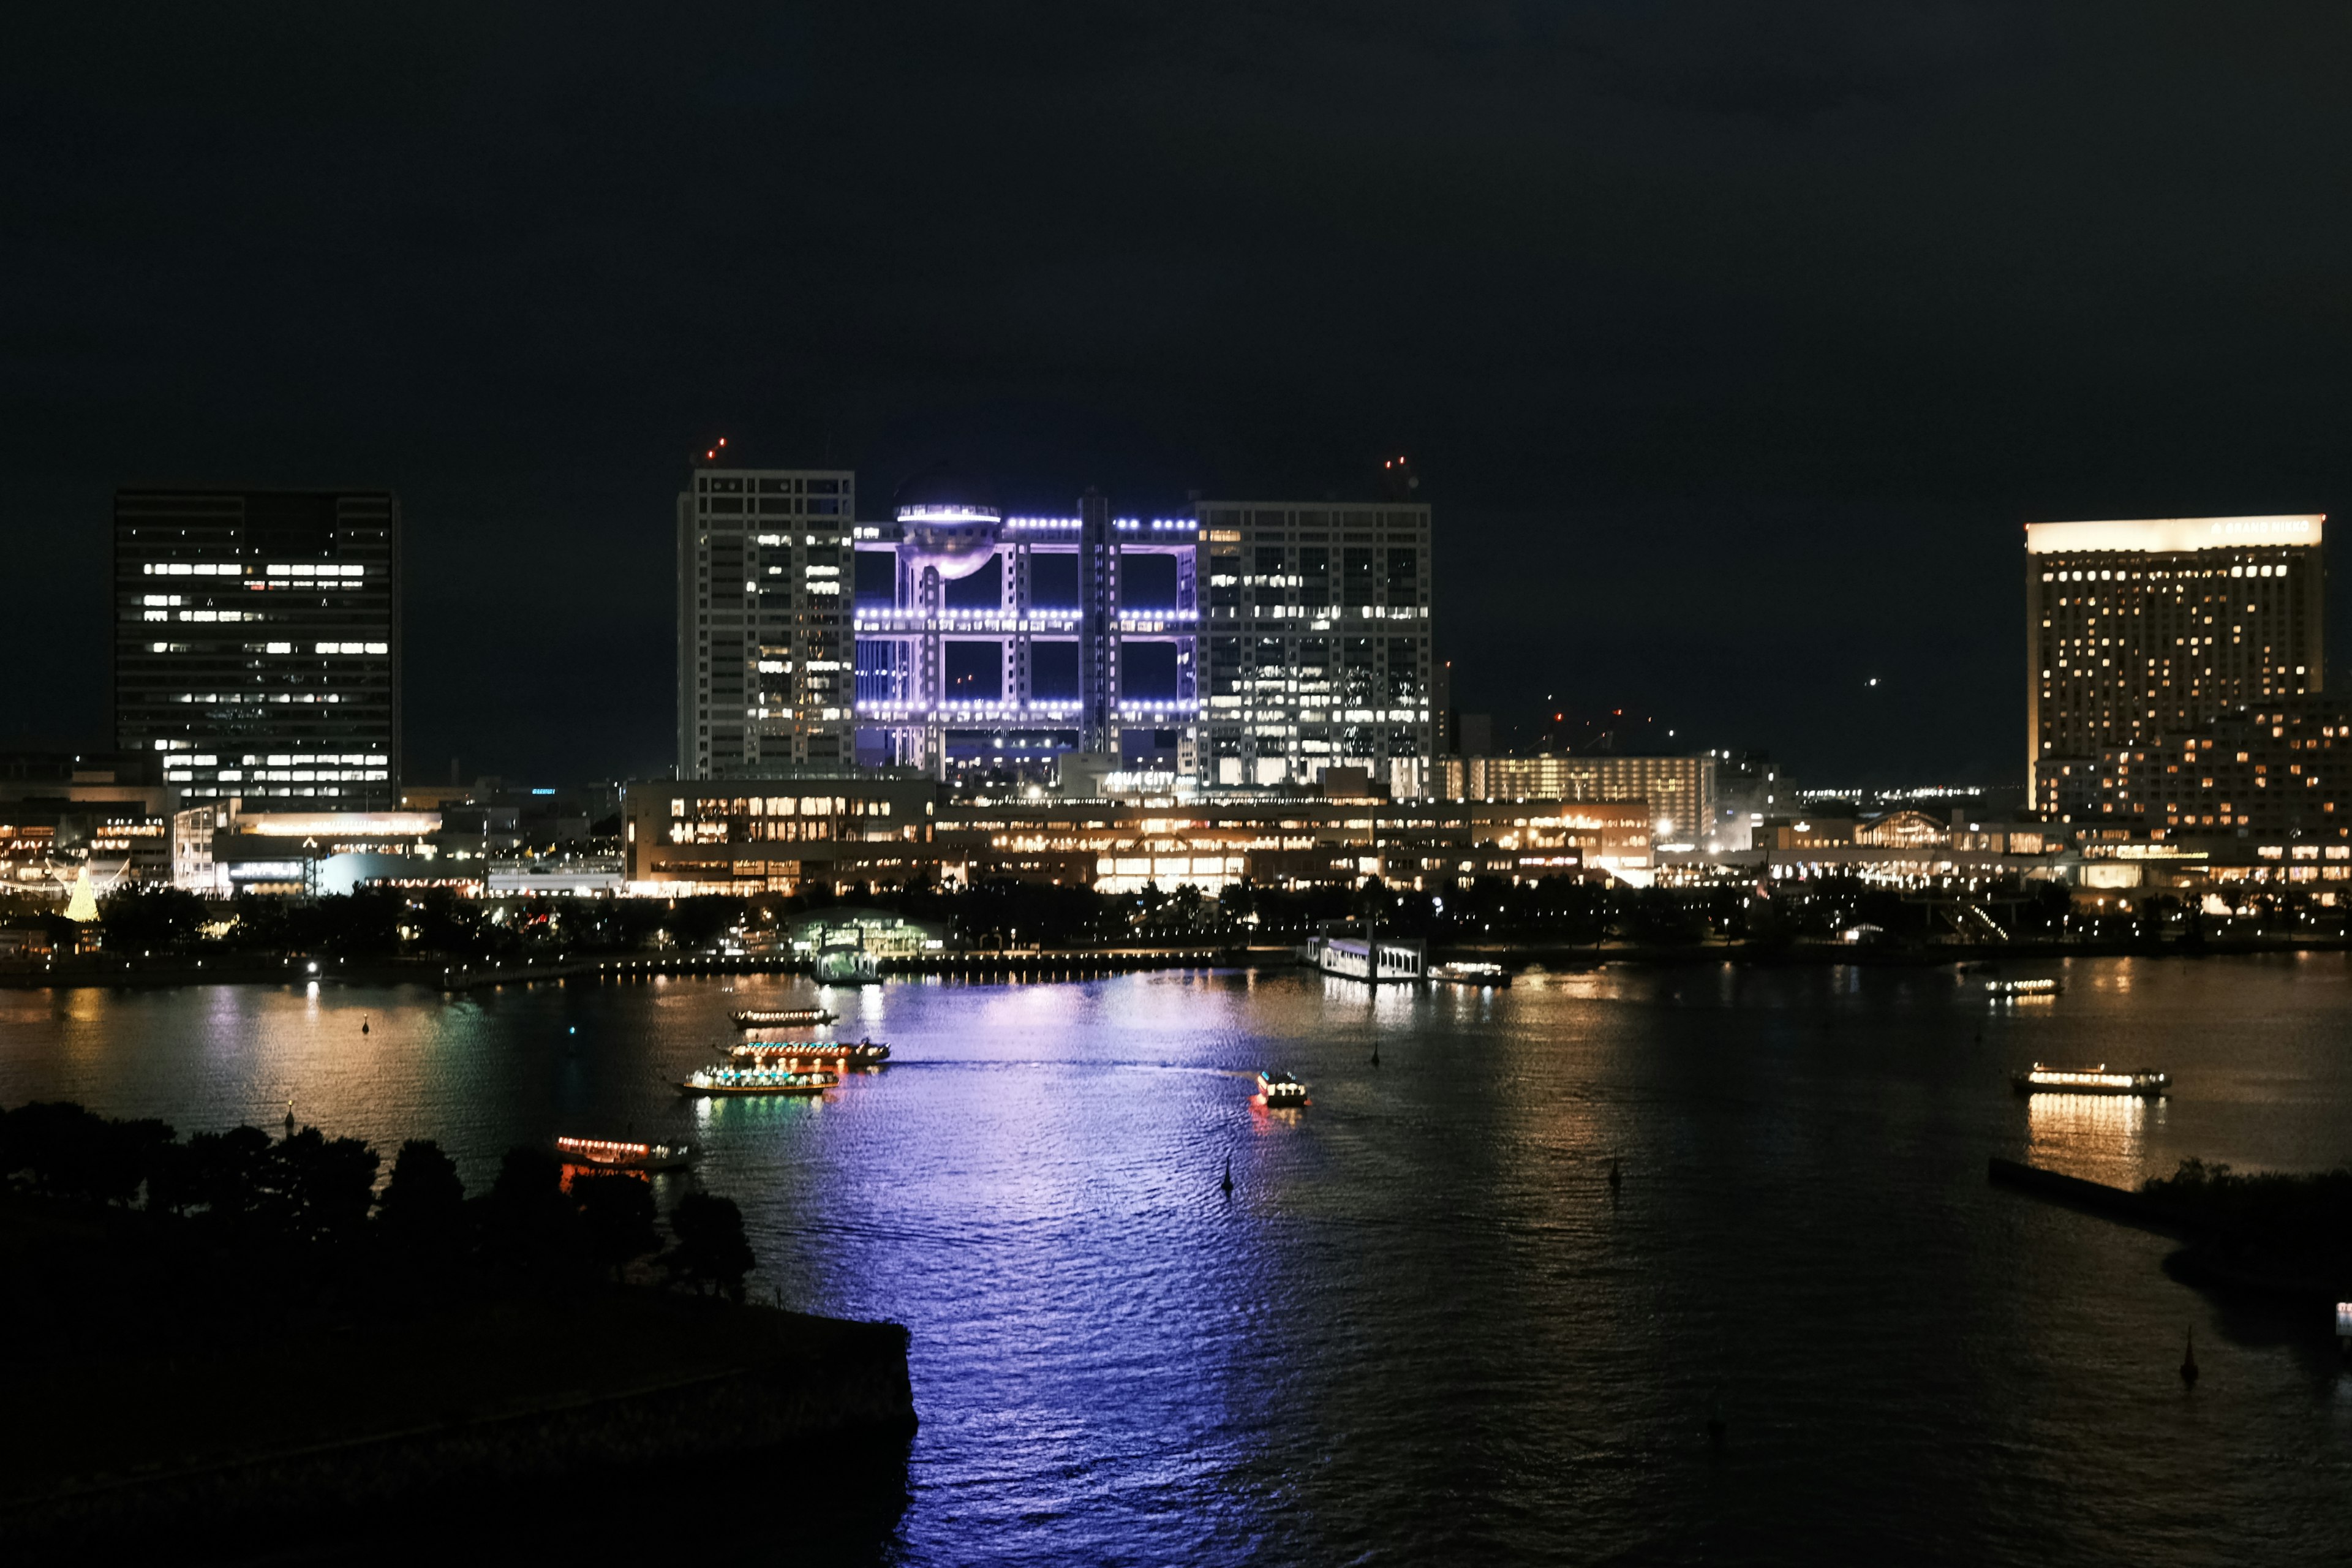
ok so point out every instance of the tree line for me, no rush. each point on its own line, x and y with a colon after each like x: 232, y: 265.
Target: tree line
x: 1570, y: 909
x: 244, y: 1191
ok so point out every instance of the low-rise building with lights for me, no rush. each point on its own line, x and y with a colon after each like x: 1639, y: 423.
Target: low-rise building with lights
x: 60, y: 811
x: 220, y: 849
x: 868, y: 830
x: 1679, y: 790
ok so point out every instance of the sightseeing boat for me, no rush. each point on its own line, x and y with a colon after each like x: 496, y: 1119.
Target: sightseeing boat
x: 1280, y: 1092
x: 861, y: 1053
x: 612, y: 1154
x: 2045, y: 1079
x: 756, y: 1079
x: 782, y: 1017
x: 2043, y: 987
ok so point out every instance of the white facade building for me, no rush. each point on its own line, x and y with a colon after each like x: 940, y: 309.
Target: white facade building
x: 1317, y: 635
x: 765, y: 654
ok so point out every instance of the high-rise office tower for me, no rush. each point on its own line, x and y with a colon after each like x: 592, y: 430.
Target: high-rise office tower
x: 1318, y: 637
x: 2139, y: 630
x: 256, y: 642
x: 765, y: 654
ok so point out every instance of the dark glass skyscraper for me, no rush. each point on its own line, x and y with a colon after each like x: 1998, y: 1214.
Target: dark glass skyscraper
x: 257, y: 643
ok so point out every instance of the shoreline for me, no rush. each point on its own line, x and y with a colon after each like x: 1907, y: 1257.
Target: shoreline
x: 1080, y: 963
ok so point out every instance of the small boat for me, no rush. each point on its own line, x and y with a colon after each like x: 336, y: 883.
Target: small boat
x: 858, y: 1053
x: 1470, y: 973
x: 2045, y: 1079
x: 2044, y: 987
x: 623, y: 1156
x: 1280, y: 1090
x: 718, y: 1080
x: 782, y: 1017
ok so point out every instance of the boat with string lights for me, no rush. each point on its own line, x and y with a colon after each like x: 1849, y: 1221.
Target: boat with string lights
x: 1279, y: 1090
x: 2043, y: 987
x: 614, y: 1154
x: 2045, y: 1079
x: 782, y: 1018
x: 729, y: 1079
x: 860, y: 1053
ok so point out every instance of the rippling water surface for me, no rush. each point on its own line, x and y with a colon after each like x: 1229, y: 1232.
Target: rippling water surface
x: 1422, y: 1327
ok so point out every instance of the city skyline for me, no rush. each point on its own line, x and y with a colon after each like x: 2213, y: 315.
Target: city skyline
x: 1716, y: 457
x: 1226, y: 783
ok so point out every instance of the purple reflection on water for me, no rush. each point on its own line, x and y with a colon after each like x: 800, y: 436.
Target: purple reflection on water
x: 1422, y: 1328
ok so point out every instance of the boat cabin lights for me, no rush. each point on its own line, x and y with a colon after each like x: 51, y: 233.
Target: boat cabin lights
x: 605, y: 1146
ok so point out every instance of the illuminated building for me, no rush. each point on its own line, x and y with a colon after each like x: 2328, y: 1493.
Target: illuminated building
x: 60, y: 810
x: 1748, y: 788
x: 2136, y: 631
x: 2280, y: 771
x: 990, y: 643
x: 763, y: 642
x: 224, y: 848
x: 871, y: 830
x: 1680, y: 791
x: 256, y: 642
x: 753, y: 836
x: 1317, y: 635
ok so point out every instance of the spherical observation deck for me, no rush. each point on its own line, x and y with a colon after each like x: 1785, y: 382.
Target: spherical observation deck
x: 950, y: 520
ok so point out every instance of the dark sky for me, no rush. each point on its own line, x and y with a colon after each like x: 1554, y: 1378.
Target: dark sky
x: 1733, y: 342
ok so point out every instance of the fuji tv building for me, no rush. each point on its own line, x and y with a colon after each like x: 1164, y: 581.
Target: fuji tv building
x: 1248, y: 645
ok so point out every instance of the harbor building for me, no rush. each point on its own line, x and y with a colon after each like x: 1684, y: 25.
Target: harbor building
x: 257, y: 644
x: 763, y: 639
x: 2143, y: 630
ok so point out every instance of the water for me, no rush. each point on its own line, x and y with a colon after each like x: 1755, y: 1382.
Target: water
x: 1422, y: 1329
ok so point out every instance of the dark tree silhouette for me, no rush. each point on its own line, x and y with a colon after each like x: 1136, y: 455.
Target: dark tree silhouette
x: 711, y: 1250
x: 140, y: 919
x: 530, y: 1222
x: 618, y: 1213
x: 424, y: 1203
x: 315, y: 1188
x: 71, y: 1152
x: 218, y: 1173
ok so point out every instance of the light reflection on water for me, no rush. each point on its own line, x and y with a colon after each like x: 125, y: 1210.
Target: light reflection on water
x: 1423, y: 1327
x: 2099, y: 1137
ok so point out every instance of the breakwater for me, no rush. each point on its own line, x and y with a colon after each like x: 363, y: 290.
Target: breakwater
x: 2115, y: 1203
x: 2278, y: 1256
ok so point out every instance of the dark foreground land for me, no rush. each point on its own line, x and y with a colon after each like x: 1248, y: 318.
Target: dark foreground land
x: 242, y: 1402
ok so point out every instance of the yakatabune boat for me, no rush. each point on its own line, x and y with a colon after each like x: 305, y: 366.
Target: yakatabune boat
x: 716, y: 1080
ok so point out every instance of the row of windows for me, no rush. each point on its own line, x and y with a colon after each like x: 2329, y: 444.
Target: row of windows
x: 771, y: 485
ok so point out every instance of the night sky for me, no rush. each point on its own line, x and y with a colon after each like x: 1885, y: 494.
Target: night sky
x: 1734, y: 342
